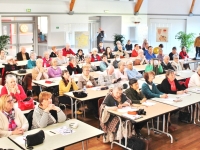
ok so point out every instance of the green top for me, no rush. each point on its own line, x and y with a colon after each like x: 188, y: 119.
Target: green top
x: 157, y: 69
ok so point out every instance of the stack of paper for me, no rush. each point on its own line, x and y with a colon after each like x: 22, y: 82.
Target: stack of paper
x: 126, y: 109
x: 133, y: 117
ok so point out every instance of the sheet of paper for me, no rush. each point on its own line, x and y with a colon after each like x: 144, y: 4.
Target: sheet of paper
x: 126, y: 109
x: 196, y: 90
x: 148, y: 103
x: 133, y: 117
x: 62, y: 130
x: 183, y: 95
x: 20, y: 139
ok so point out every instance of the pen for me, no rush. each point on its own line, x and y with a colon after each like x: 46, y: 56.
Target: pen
x: 52, y: 132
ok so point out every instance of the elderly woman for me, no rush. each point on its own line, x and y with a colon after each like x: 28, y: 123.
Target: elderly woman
x: 120, y: 73
x: 32, y: 61
x: 108, y: 53
x: 42, y: 116
x: 54, y: 52
x: 46, y: 59
x: 116, y: 61
x: 122, y: 53
x: 116, y: 47
x: 155, y: 66
x: 88, y: 63
x: 13, y: 121
x: 134, y: 93
x: 166, y: 65
x: 195, y: 79
x: 176, y: 64
x: 95, y: 56
x: 11, y: 64
x: 61, y: 60
x: 183, y: 54
x: 149, y: 89
x: 54, y: 70
x: 170, y: 85
x: 23, y: 55
x: 73, y: 67
x: 12, y: 88
x: 39, y: 72
x: 2, y: 57
x: 85, y: 80
x: 140, y: 59
x: 80, y: 56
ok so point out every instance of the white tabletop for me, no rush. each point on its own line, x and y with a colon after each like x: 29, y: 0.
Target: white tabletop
x: 21, y: 74
x: 6, y: 143
x: 55, y: 82
x: 53, y: 141
x: 185, y: 73
x: 22, y: 63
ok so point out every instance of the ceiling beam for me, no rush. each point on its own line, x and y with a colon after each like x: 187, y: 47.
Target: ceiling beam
x: 192, y: 6
x: 137, y: 6
x: 72, y: 5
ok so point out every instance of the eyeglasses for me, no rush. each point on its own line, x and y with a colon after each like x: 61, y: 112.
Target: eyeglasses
x: 10, y: 101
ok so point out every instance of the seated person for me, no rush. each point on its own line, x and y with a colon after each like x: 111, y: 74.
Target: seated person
x: 134, y: 93
x: 39, y: 72
x: 166, y: 64
x: 73, y: 67
x: 129, y: 46
x: 32, y: 61
x: 88, y: 63
x: 160, y: 55
x: 170, y: 85
x: 61, y: 60
x: 11, y: 64
x: 116, y: 47
x: 150, y: 55
x: 195, y: 79
x: 183, y: 54
x: 135, y: 51
x: 107, y: 77
x: 42, y: 116
x: 155, y: 66
x: 54, y: 70
x: 131, y: 72
x: 145, y: 48
x: 13, y: 89
x: 2, y: 57
x: 173, y: 53
x: 95, y: 56
x: 104, y: 64
x: 108, y: 53
x: 23, y: 55
x: 149, y: 89
x: 140, y: 59
x: 176, y: 64
x: 54, y: 52
x: 122, y: 53
x: 120, y: 73
x: 80, y: 56
x: 67, y: 51
x: 13, y: 121
x: 85, y: 80
x: 100, y: 47
x: 46, y: 60
x: 116, y: 61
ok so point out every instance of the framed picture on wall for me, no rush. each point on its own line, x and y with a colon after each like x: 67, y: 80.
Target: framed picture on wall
x: 162, y: 34
x: 82, y: 40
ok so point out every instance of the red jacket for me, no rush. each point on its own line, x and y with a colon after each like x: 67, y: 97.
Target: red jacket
x: 183, y: 55
x: 17, y: 96
x: 65, y: 52
x: 134, y: 53
x: 97, y: 57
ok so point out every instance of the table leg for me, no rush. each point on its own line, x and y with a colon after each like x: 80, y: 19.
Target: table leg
x: 86, y: 145
x: 158, y: 122
x: 72, y: 103
x: 195, y: 114
x: 191, y: 113
x: 83, y: 147
x: 164, y: 123
x: 198, y: 112
x: 75, y: 108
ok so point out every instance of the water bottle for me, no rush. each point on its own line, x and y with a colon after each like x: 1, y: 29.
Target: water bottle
x: 84, y: 89
x: 72, y: 76
x: 45, y: 65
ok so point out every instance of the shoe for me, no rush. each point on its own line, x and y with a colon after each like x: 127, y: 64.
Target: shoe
x: 79, y: 112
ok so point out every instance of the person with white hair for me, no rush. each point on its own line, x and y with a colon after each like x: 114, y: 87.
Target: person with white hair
x: 176, y: 64
x: 166, y: 64
x: 23, y: 55
x: 195, y: 79
x: 73, y: 67
x: 121, y: 52
x: 140, y: 59
x: 131, y: 72
x: 11, y: 64
x: 2, y: 57
x: 46, y: 59
x: 107, y: 77
x: 54, y: 70
x: 61, y: 60
x: 117, y: 44
x: 67, y: 51
x: 32, y: 61
x: 95, y: 56
x: 39, y: 72
x: 120, y: 73
x: 155, y: 66
x: 12, y: 88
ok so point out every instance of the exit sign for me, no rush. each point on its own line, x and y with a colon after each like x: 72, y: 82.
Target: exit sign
x: 28, y: 10
x: 57, y: 27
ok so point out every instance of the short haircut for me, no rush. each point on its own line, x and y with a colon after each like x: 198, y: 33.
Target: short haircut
x: 103, y: 56
x: 175, y: 56
x: 10, y: 76
x: 85, y: 67
x: 183, y: 47
x: 146, y: 75
x: 46, y: 52
x: 32, y: 53
x: 129, y: 62
x: 71, y: 58
x: 3, y: 101
x: 44, y: 96
x: 165, y: 56
x: 161, y: 45
x: 150, y: 47
x: 87, y: 56
x: 135, y: 45
x: 168, y: 72
x: 118, y: 86
x: 121, y: 63
x: 39, y: 60
x: 174, y: 48
x: 52, y: 60
x: 132, y: 81
x: 94, y: 49
x: 53, y: 47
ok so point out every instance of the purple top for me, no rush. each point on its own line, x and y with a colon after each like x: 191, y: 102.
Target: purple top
x: 54, y: 72
x: 160, y: 57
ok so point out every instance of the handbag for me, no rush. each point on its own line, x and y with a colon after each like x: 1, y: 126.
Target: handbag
x: 137, y: 62
x: 34, y: 139
x: 26, y: 104
x: 22, y: 71
x: 80, y: 94
x: 184, y: 117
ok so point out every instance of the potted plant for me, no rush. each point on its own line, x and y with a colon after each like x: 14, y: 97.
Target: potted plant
x: 187, y: 40
x: 118, y: 37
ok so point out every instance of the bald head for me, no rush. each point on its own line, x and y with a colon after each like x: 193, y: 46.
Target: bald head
x: 23, y: 50
x: 110, y: 70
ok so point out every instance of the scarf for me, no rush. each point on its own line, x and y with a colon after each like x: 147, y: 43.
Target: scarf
x: 72, y: 66
x: 11, y: 120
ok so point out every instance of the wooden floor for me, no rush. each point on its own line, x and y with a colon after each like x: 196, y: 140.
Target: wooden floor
x: 187, y: 137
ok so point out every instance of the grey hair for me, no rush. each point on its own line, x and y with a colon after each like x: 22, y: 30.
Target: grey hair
x: 39, y: 60
x: 165, y: 56
x: 87, y: 56
x: 72, y: 58
x: 53, y: 59
x: 129, y: 62
x: 110, y: 67
x: 32, y: 53
x: 46, y: 52
x: 121, y: 63
x: 58, y: 51
x: 118, y: 42
x: 118, y: 86
x: 175, y: 56
x: 10, y: 76
x: 94, y: 49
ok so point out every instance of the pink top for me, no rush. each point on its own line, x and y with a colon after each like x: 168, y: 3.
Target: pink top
x: 47, y: 62
x: 123, y: 76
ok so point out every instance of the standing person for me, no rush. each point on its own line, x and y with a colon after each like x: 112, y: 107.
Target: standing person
x: 67, y: 51
x: 129, y: 46
x: 135, y: 51
x: 100, y: 36
x: 100, y: 47
x: 54, y: 52
x: 197, y: 45
x: 23, y: 55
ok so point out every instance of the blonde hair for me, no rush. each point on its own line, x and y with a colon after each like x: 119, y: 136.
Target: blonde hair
x: 3, y: 101
x: 44, y: 95
x: 53, y: 47
x: 86, y: 66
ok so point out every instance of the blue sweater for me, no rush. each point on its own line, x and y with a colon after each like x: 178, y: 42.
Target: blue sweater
x: 149, y: 57
x: 133, y: 74
x: 150, y: 93
x: 31, y: 64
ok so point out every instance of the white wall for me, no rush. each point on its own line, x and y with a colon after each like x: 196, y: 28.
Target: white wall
x: 0, y: 27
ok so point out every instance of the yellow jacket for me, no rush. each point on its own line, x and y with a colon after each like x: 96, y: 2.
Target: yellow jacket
x: 197, y: 42
x: 63, y: 89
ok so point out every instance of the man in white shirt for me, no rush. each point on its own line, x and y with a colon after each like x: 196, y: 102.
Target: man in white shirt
x: 195, y: 79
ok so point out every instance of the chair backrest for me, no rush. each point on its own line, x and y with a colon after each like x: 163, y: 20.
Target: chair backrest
x: 29, y: 117
x: 100, y: 101
x: 27, y: 82
x: 187, y: 82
